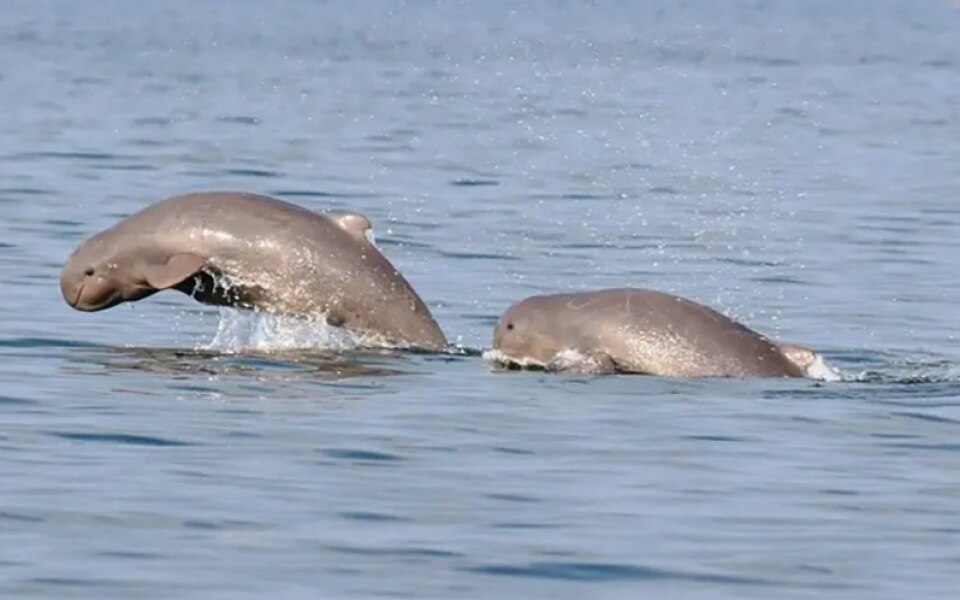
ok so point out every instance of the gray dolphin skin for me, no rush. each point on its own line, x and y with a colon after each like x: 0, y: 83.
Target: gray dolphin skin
x: 639, y: 331
x: 252, y: 251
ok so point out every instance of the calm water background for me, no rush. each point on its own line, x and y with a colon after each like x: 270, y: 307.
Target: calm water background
x: 793, y: 163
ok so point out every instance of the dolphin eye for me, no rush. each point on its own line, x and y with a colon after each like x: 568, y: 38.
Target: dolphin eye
x: 89, y: 272
x: 510, y: 326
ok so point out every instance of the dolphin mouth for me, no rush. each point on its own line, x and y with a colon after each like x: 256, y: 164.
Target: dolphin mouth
x: 73, y: 299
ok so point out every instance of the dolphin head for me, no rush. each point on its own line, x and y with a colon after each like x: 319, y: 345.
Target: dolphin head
x: 530, y: 332
x: 99, y: 274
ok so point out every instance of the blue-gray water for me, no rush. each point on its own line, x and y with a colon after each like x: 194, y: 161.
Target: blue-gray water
x: 795, y: 164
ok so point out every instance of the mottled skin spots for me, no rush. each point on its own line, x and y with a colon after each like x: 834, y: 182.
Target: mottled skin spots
x: 640, y: 331
x: 252, y: 251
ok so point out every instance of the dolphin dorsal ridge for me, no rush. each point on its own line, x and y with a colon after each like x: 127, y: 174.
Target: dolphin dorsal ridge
x: 355, y: 224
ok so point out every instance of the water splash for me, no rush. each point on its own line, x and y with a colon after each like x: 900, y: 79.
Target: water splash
x: 499, y: 359
x: 246, y: 331
x: 820, y: 370
x: 908, y: 372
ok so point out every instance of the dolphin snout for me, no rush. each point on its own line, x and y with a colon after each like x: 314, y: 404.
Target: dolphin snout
x: 72, y: 291
x: 72, y: 284
x: 498, y: 334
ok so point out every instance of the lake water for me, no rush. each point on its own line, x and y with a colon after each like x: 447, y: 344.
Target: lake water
x: 795, y: 164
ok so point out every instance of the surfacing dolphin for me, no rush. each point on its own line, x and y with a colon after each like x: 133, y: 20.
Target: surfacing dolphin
x: 252, y: 251
x: 639, y: 331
